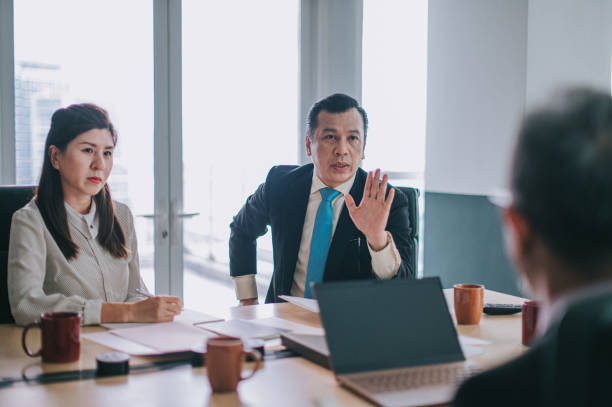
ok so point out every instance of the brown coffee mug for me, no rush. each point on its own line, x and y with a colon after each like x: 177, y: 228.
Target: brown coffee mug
x: 530, y: 320
x: 468, y: 303
x: 224, y: 359
x: 60, y: 337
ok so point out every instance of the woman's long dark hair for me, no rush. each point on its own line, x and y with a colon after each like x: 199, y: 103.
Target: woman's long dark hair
x: 66, y: 124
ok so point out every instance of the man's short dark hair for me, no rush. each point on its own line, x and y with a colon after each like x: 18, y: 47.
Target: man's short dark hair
x: 561, y: 176
x: 336, y: 103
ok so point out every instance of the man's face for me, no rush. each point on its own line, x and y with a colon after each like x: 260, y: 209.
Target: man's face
x: 336, y: 147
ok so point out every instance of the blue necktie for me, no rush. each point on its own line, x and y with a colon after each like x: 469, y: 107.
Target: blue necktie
x: 321, y: 237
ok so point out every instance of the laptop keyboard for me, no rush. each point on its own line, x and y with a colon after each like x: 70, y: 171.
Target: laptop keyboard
x: 415, y: 377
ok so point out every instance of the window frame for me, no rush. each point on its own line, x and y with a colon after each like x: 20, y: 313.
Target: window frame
x: 329, y: 61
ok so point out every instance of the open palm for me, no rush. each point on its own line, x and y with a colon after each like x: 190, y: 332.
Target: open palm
x: 371, y: 216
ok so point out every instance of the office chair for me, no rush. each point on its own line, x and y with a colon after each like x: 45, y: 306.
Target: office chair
x: 580, y: 359
x: 12, y: 197
x: 413, y: 214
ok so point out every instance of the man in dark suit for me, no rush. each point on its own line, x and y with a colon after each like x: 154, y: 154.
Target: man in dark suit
x: 560, y: 238
x: 330, y: 220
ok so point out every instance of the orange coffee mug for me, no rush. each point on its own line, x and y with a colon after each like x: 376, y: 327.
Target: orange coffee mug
x: 530, y: 320
x: 60, y: 337
x: 468, y: 303
x: 224, y: 359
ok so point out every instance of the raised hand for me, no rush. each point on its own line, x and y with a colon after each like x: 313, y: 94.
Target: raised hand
x: 371, y: 216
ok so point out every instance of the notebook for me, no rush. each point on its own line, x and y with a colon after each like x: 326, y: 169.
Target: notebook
x: 392, y: 342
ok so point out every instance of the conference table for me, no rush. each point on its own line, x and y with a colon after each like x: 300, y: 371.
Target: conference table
x: 290, y: 381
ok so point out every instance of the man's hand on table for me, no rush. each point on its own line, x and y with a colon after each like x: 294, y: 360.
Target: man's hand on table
x: 249, y: 301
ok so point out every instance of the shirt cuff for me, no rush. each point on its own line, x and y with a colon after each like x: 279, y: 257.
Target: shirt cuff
x: 92, y: 312
x: 386, y: 261
x: 246, y: 288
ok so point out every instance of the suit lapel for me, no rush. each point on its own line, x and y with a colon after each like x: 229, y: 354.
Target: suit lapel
x: 297, y: 201
x: 346, y: 229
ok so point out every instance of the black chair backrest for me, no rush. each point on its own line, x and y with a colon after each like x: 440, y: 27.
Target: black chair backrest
x: 413, y: 208
x: 580, y: 361
x: 12, y: 197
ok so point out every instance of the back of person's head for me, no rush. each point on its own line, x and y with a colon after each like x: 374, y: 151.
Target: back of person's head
x: 561, y: 177
x: 336, y: 103
x: 67, y: 124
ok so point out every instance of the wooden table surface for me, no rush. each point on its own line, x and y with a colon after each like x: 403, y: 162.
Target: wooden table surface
x: 291, y: 381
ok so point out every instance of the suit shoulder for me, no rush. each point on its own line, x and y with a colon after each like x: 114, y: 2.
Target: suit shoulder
x: 121, y: 208
x: 123, y: 213
x: 287, y: 170
x: 29, y: 213
x: 283, y: 173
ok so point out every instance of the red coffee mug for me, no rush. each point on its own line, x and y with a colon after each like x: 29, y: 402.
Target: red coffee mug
x: 60, y: 337
x: 530, y: 320
x: 224, y: 359
x: 469, y: 302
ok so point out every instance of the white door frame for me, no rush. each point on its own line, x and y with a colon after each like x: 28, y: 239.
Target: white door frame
x: 168, y: 148
x: 7, y: 94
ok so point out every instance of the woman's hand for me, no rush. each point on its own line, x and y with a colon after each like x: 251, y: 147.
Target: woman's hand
x: 155, y: 309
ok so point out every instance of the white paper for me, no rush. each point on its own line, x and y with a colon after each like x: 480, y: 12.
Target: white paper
x: 306, y: 303
x: 472, y: 346
x: 471, y: 351
x: 468, y: 341
x: 166, y: 337
x: 187, y: 316
x: 291, y: 326
x: 244, y: 329
x: 120, y: 344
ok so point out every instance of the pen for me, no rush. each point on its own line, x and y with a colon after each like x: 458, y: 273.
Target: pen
x: 148, y: 294
x: 144, y: 292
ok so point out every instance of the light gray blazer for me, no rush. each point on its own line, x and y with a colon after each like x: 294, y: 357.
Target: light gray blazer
x: 40, y: 279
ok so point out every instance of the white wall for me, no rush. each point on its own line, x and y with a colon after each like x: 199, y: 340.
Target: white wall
x: 488, y: 59
x: 570, y: 42
x: 476, y: 91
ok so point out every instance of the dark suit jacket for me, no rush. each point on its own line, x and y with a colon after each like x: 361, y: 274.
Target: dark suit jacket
x: 281, y: 203
x: 571, y: 365
x: 516, y: 383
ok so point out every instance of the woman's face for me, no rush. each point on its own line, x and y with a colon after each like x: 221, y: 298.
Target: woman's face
x: 85, y: 165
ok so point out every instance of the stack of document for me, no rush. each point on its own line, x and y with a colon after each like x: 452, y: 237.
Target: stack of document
x: 191, y: 329
x: 145, y: 339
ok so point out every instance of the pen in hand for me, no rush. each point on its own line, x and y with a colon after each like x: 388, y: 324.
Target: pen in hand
x: 144, y: 292
x: 147, y: 294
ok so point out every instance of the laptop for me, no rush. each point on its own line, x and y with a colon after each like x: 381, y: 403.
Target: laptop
x: 392, y: 341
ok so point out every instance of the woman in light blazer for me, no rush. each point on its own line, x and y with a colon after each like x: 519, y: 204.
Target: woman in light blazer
x: 73, y: 248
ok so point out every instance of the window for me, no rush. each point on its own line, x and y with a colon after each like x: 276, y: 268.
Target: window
x: 240, y: 95
x: 394, y: 87
x: 75, y: 51
x: 395, y: 92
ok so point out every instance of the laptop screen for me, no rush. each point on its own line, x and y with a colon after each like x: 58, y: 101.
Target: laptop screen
x: 375, y: 324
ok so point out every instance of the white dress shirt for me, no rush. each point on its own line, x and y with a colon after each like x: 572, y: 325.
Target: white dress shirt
x: 385, y: 262
x: 40, y: 279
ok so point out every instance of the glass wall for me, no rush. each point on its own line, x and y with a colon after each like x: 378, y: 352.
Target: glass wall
x: 394, y: 87
x: 240, y: 98
x: 75, y: 51
x: 395, y: 92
